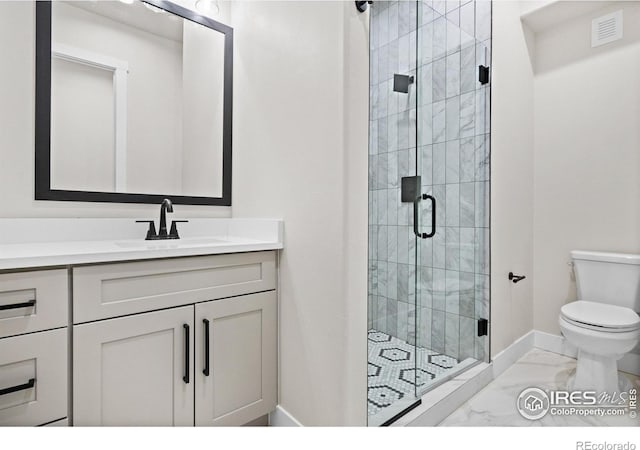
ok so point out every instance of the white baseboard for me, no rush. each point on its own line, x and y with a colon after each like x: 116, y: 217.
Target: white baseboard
x: 630, y: 363
x: 280, y: 417
x: 507, y: 357
x: 555, y: 344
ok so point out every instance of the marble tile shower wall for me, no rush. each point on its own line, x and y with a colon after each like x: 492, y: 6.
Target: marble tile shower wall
x: 445, y: 116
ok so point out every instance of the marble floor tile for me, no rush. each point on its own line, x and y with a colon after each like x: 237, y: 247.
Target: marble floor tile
x: 495, y: 405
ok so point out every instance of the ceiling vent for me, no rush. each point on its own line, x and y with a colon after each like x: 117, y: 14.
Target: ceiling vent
x: 607, y: 28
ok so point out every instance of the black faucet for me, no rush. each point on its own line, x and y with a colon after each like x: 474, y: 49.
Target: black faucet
x: 166, y: 207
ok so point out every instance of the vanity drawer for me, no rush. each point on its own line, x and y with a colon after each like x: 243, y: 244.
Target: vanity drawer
x: 35, y: 367
x: 33, y: 301
x: 111, y: 290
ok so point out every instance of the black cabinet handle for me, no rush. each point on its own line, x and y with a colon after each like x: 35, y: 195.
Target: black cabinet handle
x: 21, y: 387
x: 416, y: 204
x: 187, y: 338
x: 18, y: 305
x: 205, y: 371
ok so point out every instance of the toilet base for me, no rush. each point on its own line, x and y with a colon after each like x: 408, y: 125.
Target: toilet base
x: 597, y: 373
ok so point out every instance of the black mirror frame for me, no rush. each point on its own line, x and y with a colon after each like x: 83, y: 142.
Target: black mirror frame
x: 43, y: 189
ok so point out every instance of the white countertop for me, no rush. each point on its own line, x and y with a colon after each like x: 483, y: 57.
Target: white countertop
x: 108, y: 240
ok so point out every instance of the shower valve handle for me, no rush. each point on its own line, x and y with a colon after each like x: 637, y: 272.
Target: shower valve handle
x: 410, y: 193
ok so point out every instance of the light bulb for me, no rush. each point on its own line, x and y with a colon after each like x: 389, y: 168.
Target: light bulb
x: 208, y: 7
x: 128, y: 2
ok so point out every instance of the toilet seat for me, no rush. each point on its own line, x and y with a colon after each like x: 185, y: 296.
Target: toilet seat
x: 600, y: 316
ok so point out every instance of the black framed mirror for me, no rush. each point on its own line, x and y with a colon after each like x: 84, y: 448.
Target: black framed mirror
x: 133, y: 103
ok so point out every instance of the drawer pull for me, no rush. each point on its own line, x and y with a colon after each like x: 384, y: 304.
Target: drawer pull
x: 21, y: 387
x: 187, y: 337
x: 28, y: 304
x: 205, y: 371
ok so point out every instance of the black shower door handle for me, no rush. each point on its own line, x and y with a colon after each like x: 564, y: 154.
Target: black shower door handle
x: 433, y: 216
x: 416, y: 205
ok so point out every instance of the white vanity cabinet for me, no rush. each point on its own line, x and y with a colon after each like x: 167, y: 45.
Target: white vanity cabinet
x: 188, y: 341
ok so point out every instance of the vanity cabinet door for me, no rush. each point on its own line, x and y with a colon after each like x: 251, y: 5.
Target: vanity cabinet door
x: 135, y: 370
x: 241, y: 382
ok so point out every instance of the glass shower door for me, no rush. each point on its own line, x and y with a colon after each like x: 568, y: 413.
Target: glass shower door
x: 453, y: 164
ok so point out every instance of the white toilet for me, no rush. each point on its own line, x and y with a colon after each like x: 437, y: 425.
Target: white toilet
x: 603, y: 323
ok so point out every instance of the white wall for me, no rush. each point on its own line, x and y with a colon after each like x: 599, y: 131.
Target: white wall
x: 300, y: 146
x: 587, y: 152
x: 355, y: 176
x: 511, y: 177
x: 17, y: 91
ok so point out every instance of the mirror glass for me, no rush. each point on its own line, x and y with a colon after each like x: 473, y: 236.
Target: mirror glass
x: 136, y: 100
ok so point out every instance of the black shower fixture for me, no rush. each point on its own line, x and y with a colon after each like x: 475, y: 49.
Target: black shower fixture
x: 362, y: 6
x: 401, y: 83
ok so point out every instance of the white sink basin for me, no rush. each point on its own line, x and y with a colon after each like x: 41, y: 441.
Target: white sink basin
x: 170, y: 243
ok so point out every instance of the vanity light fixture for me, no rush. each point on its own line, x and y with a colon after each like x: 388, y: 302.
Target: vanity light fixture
x: 208, y: 7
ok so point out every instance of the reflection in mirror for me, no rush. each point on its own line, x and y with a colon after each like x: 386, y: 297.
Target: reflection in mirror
x: 136, y: 101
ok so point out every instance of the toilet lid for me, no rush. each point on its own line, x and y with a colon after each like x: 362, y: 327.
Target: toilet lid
x: 601, y: 314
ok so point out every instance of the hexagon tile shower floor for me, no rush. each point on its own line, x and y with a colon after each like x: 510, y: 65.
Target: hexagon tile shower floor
x: 391, y: 368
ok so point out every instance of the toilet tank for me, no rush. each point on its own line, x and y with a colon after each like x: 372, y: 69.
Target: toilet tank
x: 612, y: 278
